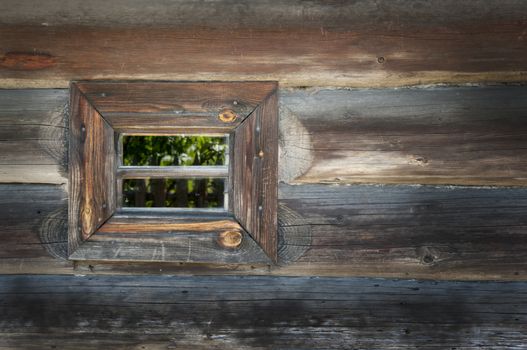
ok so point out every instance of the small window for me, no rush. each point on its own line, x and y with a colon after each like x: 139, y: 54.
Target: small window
x: 176, y: 171
x: 173, y: 172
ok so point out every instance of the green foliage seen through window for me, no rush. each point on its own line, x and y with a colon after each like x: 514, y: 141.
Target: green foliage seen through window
x: 173, y: 151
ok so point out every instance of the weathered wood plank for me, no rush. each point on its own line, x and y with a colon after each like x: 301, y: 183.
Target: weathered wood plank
x: 465, y: 135
x: 33, y: 229
x: 209, y: 247
x: 385, y: 231
x: 92, y: 170
x: 122, y: 222
x: 258, y: 313
x: 255, y: 174
x: 359, y: 44
x: 168, y: 107
x: 246, y: 13
x: 33, y: 131
x: 440, y: 135
x: 183, y: 100
x: 417, y: 231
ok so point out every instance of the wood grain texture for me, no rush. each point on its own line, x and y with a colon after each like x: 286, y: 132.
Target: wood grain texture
x: 418, y: 231
x: 91, y: 170
x: 177, y: 98
x: 154, y: 312
x: 254, y: 174
x: 354, y: 44
x: 107, y: 108
x: 33, y: 132
x: 185, y: 246
x: 250, y: 14
x: 33, y: 229
x: 441, y: 135
x: 139, y: 224
x: 26, y: 61
x: 163, y: 107
x: 385, y: 231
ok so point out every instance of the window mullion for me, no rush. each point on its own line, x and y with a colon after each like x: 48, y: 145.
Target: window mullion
x: 198, y: 171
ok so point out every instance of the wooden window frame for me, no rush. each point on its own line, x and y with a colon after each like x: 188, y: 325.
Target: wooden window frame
x: 245, y: 233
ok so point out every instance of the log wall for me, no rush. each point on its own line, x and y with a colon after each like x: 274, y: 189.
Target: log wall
x: 403, y: 129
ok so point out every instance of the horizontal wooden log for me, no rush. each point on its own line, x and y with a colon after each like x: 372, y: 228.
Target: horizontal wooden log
x: 158, y: 312
x: 384, y: 231
x: 33, y: 136
x: 359, y: 44
x: 418, y: 231
x: 33, y: 229
x: 250, y: 14
x: 441, y: 135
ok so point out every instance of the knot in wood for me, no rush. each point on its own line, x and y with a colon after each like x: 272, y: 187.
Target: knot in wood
x: 230, y: 239
x: 227, y: 116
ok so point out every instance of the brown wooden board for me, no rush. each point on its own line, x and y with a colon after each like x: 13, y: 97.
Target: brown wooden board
x: 255, y: 177
x: 159, y: 312
x: 92, y: 168
x: 169, y: 107
x: 147, y: 222
x: 360, y: 44
x: 183, y: 100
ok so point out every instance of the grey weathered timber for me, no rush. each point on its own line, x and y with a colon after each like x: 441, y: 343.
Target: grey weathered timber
x: 159, y: 312
x: 416, y: 231
x: 250, y: 14
x: 315, y: 43
x: 183, y: 247
x: 33, y: 229
x: 390, y: 231
x: 33, y: 131
x: 434, y: 135
x: 441, y: 135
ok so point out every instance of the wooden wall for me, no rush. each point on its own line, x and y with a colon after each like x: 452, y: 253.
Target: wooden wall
x: 381, y: 176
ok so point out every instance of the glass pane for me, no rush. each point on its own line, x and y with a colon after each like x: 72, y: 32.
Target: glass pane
x: 174, y: 193
x: 174, y: 150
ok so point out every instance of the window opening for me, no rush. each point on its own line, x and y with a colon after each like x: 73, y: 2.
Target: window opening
x: 173, y: 171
